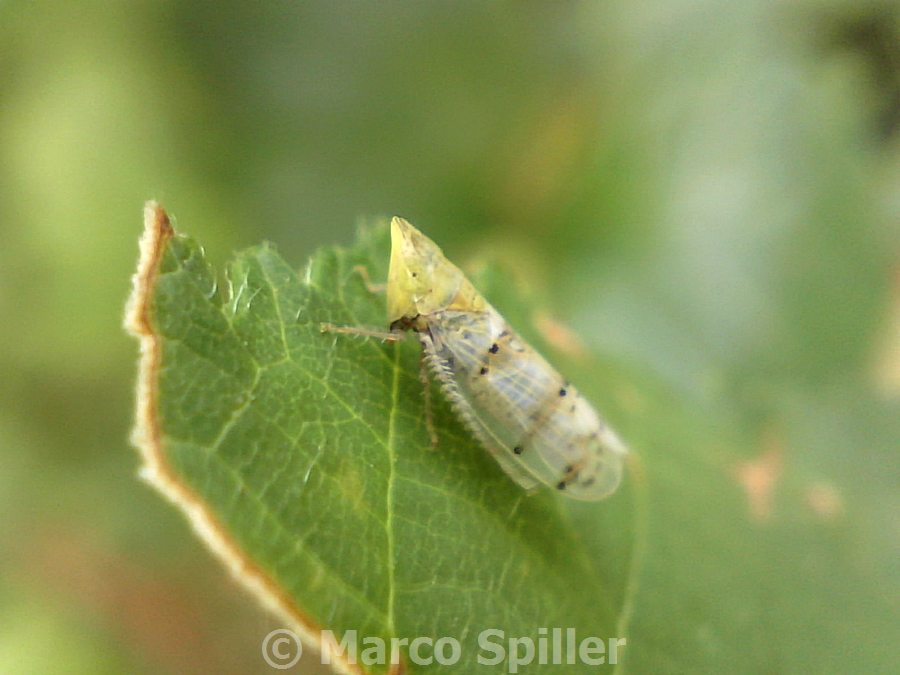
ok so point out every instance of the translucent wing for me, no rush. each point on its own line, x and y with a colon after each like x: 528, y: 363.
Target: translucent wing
x: 539, y: 428
x: 475, y: 420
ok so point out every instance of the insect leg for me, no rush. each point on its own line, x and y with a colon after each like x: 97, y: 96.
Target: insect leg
x: 390, y: 336
x: 426, y: 385
x: 367, y: 280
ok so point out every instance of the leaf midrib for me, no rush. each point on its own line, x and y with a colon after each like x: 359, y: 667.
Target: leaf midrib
x: 389, y: 497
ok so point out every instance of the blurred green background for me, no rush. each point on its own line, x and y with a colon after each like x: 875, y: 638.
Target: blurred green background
x: 707, y: 193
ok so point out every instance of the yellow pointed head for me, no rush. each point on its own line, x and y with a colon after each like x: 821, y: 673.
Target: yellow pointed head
x: 421, y: 280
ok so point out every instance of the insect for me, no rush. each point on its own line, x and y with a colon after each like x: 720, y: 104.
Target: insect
x: 539, y: 428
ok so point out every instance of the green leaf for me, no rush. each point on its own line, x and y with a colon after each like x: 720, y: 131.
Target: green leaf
x: 303, y: 459
x: 740, y: 543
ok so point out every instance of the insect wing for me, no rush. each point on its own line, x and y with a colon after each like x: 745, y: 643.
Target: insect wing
x: 595, y: 455
x: 538, y: 424
x: 475, y: 418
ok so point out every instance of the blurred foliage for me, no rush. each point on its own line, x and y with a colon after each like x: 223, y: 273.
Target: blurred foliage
x: 707, y: 193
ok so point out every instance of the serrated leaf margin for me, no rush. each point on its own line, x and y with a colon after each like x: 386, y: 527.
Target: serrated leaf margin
x: 147, y: 437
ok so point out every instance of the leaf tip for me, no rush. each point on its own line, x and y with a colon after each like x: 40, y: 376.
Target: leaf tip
x: 157, y: 232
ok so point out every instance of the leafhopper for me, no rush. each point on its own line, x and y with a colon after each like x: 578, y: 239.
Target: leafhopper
x: 539, y: 428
